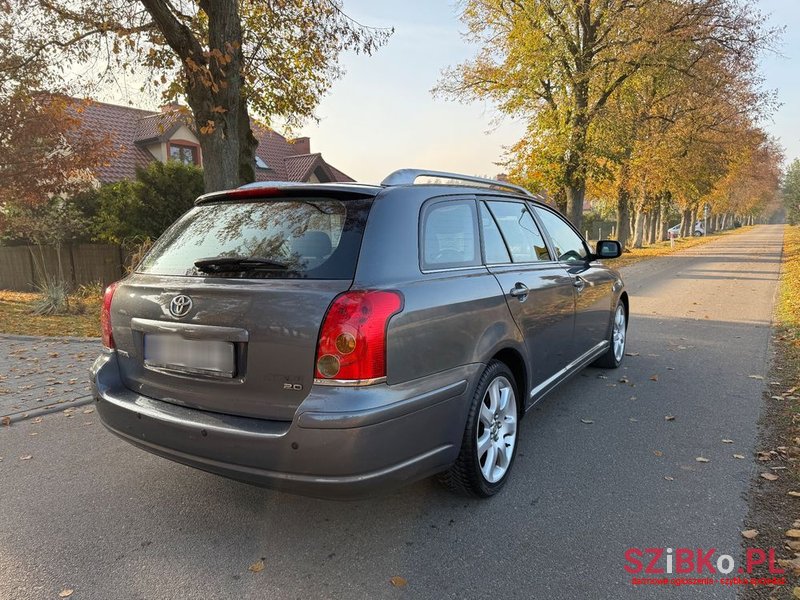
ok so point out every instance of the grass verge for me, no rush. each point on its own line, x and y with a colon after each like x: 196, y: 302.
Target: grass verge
x: 17, y: 317
x: 774, y: 507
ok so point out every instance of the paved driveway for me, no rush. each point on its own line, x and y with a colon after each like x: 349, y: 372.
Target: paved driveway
x: 43, y: 374
x: 90, y: 513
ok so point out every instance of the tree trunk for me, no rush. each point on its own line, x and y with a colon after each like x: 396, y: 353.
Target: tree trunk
x: 575, y: 195
x: 638, y: 228
x: 214, y: 89
x: 651, y: 231
x: 663, y: 223
x: 623, y: 205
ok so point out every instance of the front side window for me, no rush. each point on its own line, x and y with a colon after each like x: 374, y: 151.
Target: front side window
x: 521, y: 234
x: 569, y: 246
x: 184, y: 154
x: 313, y: 238
x: 450, y: 235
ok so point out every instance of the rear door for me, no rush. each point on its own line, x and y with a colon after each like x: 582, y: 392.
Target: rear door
x: 538, y: 290
x: 593, y: 282
x: 237, y: 339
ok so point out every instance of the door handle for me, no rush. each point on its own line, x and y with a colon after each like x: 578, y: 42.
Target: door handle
x: 579, y: 283
x: 520, y: 291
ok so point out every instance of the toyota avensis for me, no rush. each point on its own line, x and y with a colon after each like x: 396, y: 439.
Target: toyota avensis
x: 338, y: 340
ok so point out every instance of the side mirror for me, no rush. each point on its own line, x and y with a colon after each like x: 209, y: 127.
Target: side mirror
x: 608, y: 249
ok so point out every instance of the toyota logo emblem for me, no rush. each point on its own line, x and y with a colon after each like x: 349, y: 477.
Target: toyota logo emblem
x: 180, y: 306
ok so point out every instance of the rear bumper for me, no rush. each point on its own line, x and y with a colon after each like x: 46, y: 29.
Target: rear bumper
x: 378, y: 438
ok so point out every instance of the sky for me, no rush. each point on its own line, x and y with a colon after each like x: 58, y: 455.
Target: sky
x: 381, y: 115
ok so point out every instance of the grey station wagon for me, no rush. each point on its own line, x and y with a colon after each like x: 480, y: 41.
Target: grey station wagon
x: 338, y: 340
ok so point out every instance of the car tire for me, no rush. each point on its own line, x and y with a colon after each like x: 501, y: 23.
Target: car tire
x: 697, y: 234
x: 491, y: 434
x: 612, y: 359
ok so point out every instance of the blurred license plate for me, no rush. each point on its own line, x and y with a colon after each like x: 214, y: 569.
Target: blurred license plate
x: 199, y: 357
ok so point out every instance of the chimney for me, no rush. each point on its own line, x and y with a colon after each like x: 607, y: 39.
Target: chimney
x: 301, y: 145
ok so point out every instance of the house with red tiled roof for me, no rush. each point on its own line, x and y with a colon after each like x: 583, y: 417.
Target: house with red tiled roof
x: 138, y: 137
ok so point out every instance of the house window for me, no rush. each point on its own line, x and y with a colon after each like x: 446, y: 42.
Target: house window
x: 184, y: 153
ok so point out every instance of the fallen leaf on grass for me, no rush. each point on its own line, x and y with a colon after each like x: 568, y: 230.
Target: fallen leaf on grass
x: 756, y: 376
x: 257, y: 566
x: 793, y: 533
x: 750, y: 533
x: 669, y: 418
x: 26, y: 457
x: 739, y: 456
x: 726, y: 441
x: 769, y: 476
x: 398, y: 581
x: 702, y: 459
x: 6, y: 421
x: 65, y: 593
x: 587, y: 421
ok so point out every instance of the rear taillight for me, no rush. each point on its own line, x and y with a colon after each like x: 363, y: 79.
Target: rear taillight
x: 105, y: 316
x: 352, y: 341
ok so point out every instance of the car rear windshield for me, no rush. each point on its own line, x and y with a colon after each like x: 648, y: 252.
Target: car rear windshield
x: 313, y: 238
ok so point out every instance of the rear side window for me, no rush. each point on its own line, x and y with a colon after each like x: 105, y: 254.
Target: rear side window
x: 314, y: 238
x: 521, y: 234
x: 494, y: 248
x: 450, y: 235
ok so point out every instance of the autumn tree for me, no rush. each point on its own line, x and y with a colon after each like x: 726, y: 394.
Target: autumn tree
x: 791, y: 192
x: 230, y: 60
x: 557, y: 64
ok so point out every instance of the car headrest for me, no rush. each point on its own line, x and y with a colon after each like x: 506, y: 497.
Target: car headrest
x: 316, y: 244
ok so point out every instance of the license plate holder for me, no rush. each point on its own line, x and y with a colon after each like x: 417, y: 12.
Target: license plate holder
x: 173, y: 353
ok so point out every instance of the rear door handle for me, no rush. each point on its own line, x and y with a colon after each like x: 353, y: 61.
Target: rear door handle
x: 579, y: 283
x: 520, y: 291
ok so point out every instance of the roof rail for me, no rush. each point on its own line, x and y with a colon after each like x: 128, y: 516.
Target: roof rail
x: 409, y: 176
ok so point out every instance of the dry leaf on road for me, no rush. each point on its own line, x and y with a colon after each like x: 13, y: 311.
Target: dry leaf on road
x: 26, y: 457
x: 756, y: 376
x: 793, y: 533
x: 769, y: 476
x: 257, y: 566
x: 398, y: 581
x: 654, y: 378
x: 6, y: 421
x: 726, y: 441
x: 702, y: 459
x: 668, y: 478
x: 740, y: 456
x: 796, y: 592
x: 669, y: 418
x: 587, y: 421
x: 65, y: 593
x: 795, y: 494
x: 658, y: 453
x: 750, y: 533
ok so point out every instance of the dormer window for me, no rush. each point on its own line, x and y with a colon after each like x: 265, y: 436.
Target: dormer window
x: 185, y: 153
x: 260, y: 164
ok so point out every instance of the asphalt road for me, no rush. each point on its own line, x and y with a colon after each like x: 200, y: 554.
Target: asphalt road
x: 89, y: 513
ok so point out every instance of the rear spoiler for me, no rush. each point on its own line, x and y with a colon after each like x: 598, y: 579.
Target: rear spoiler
x: 283, y: 189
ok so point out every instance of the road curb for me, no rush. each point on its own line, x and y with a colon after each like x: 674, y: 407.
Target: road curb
x: 46, y: 410
x: 47, y: 338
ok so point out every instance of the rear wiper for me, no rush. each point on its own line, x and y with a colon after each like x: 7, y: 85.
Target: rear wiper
x: 221, y: 264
